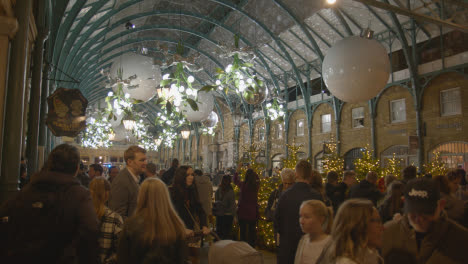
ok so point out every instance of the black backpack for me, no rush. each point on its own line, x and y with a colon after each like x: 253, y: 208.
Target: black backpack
x: 34, y: 227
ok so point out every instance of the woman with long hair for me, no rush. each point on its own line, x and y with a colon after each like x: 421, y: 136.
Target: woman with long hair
x: 316, y: 183
x: 184, y: 196
x: 225, y: 196
x: 247, y: 211
x: 316, y: 220
x: 356, y: 235
x: 393, y: 202
x: 110, y: 223
x: 455, y: 208
x: 155, y: 233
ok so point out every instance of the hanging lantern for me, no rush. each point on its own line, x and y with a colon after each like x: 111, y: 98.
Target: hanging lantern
x: 157, y: 141
x: 356, y: 68
x: 129, y: 124
x: 185, y: 133
x: 112, y: 136
x: 211, y: 120
x: 139, y: 76
x: 205, y: 104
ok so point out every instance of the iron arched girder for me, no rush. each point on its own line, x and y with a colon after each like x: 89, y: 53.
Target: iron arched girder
x: 277, y: 41
x: 86, y: 90
x: 342, y: 20
x: 93, y: 27
x: 64, y: 29
x: 133, y: 41
x: 301, y: 25
x: 82, y: 56
x: 74, y: 34
x: 192, y: 47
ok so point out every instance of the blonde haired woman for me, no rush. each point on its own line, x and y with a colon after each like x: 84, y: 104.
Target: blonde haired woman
x: 110, y: 222
x: 316, y: 220
x: 356, y: 235
x: 155, y: 233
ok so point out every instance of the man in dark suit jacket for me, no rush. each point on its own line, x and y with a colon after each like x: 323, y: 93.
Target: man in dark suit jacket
x: 168, y: 176
x: 287, y: 213
x: 124, y: 188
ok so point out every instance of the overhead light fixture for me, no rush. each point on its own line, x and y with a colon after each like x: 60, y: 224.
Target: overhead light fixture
x: 158, y: 141
x: 129, y: 25
x: 129, y: 124
x: 185, y: 133
x: 331, y: 2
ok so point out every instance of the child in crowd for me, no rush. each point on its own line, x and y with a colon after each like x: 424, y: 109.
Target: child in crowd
x: 316, y: 220
x: 110, y: 223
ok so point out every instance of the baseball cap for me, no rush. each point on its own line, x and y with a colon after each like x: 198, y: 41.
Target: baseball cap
x: 421, y: 196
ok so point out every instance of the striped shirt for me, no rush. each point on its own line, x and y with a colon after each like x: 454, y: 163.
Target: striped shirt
x: 110, y: 228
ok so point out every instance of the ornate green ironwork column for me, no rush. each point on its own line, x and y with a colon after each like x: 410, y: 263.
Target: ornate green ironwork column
x: 36, y: 87
x: 14, y: 103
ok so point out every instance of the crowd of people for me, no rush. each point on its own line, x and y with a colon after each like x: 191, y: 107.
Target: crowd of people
x: 139, y: 215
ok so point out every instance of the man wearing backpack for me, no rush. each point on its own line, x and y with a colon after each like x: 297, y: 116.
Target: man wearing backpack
x: 52, y: 219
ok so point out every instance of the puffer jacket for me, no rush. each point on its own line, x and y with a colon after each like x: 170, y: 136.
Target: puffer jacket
x: 445, y: 243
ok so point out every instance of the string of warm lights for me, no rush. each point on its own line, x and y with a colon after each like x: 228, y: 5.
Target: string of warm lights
x: 97, y: 133
x: 366, y: 163
x: 436, y: 166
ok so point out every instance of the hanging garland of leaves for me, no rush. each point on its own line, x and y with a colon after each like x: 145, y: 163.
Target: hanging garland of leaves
x: 275, y: 111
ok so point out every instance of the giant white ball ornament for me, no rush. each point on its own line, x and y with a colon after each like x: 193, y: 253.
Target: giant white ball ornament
x: 356, y: 69
x: 148, y: 76
x: 205, y: 104
x: 211, y: 120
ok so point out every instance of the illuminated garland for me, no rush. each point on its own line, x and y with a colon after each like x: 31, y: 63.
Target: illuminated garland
x: 97, y: 132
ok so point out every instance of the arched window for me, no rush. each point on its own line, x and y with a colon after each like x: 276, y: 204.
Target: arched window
x: 453, y: 153
x: 350, y: 156
x: 401, y: 152
x: 301, y: 155
x: 318, y: 161
x: 276, y: 161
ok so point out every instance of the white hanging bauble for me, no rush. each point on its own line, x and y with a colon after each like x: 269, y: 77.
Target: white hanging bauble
x: 205, y: 104
x: 211, y: 120
x: 120, y: 133
x: 148, y: 76
x: 356, y: 69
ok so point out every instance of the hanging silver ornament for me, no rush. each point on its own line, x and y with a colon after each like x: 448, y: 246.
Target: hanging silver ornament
x: 211, y: 120
x: 255, y: 95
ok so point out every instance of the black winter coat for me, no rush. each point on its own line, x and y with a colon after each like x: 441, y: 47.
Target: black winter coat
x: 180, y: 204
x: 287, y: 219
x: 366, y: 190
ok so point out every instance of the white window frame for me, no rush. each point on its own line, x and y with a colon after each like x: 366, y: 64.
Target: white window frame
x: 355, y: 116
x: 392, y: 120
x: 246, y: 136
x: 279, y: 131
x: 299, y: 129
x: 456, y: 100
x: 261, y: 135
x: 324, y: 129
